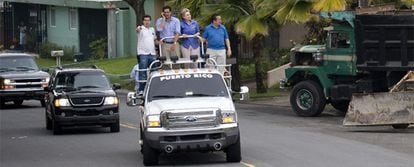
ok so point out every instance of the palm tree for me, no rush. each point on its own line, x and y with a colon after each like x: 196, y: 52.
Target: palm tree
x: 251, y: 18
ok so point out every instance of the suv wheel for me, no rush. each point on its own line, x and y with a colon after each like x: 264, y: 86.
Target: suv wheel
x: 43, y: 103
x: 2, y: 103
x: 18, y: 102
x: 57, y: 129
x: 115, y: 127
x: 150, y: 155
x: 233, y: 152
x: 48, y: 122
x: 307, y: 99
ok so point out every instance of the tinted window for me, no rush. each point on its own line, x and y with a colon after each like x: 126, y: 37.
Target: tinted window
x: 81, y: 80
x: 187, y: 85
x: 17, y: 63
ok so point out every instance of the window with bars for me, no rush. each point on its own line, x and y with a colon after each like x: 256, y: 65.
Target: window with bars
x: 73, y: 18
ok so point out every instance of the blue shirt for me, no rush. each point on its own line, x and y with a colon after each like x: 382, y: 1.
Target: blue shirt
x: 171, y: 27
x: 215, y: 36
x: 190, y: 29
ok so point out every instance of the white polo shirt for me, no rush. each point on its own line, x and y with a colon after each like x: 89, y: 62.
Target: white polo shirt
x: 146, y: 39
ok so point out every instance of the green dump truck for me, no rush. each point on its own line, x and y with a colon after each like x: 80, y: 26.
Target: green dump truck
x: 363, y: 54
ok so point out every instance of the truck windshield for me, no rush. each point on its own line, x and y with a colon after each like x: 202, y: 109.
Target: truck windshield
x: 187, y: 85
x: 81, y: 80
x: 17, y: 63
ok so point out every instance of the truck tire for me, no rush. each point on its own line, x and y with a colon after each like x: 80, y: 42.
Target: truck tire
x: 18, y: 102
x: 57, y: 129
x: 341, y: 105
x: 150, y: 155
x: 48, y: 122
x: 307, y: 99
x: 400, y: 126
x: 233, y: 152
x: 115, y: 127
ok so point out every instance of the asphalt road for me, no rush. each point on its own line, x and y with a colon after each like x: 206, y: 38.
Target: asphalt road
x: 271, y: 135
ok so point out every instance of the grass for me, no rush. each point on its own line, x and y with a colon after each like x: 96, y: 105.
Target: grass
x: 111, y: 66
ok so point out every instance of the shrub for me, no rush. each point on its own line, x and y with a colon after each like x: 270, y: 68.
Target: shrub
x: 98, y: 48
x: 47, y: 47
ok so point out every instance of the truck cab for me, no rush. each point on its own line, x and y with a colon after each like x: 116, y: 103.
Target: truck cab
x: 187, y: 110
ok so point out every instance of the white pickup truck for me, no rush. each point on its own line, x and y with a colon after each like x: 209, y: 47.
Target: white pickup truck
x: 187, y: 110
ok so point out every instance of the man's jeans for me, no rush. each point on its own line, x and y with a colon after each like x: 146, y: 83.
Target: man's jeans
x: 144, y: 62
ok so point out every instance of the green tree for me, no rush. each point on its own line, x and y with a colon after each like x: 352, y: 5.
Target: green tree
x: 138, y: 6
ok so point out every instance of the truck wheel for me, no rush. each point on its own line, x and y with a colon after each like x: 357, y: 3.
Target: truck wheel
x: 150, y: 155
x: 18, y: 102
x: 57, y: 129
x: 48, y: 122
x: 341, y: 105
x: 400, y: 126
x: 233, y: 152
x: 307, y: 99
x: 115, y: 127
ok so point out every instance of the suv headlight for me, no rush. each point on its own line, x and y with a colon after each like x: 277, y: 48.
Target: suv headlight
x: 318, y: 57
x: 153, y: 121
x: 111, y: 101
x: 229, y: 117
x: 62, y: 102
x: 46, y: 80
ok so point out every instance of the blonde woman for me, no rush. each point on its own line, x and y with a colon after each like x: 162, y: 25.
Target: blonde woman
x: 190, y: 46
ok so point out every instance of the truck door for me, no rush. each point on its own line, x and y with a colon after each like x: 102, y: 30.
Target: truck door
x: 340, y: 56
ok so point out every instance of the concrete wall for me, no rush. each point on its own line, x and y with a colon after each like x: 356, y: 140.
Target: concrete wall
x: 291, y: 31
x: 62, y: 34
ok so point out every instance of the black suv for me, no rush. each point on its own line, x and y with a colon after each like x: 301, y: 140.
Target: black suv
x: 21, y: 79
x: 81, y: 97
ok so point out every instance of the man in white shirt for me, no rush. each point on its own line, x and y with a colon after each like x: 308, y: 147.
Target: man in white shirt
x: 145, y: 48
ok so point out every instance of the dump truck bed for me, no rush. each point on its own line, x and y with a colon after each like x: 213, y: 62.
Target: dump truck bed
x: 385, y: 42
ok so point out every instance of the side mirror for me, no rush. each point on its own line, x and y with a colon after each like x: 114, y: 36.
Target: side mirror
x: 116, y: 86
x: 45, y: 69
x: 134, y: 100
x: 244, y: 93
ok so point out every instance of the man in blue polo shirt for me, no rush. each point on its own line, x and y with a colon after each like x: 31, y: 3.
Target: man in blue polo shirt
x: 217, y: 40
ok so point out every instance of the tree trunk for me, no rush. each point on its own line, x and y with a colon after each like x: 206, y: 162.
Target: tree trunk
x: 234, y: 41
x: 257, y: 52
x: 138, y: 6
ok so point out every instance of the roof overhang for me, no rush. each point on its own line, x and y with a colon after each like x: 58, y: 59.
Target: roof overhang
x: 96, y: 4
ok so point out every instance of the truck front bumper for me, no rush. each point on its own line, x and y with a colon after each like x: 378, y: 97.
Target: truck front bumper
x: 208, y: 139
x: 22, y: 94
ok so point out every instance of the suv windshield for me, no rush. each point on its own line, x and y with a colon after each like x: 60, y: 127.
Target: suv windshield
x: 187, y: 85
x: 17, y: 63
x: 81, y: 80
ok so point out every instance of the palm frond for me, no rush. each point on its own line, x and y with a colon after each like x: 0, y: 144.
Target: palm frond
x: 294, y: 10
x: 250, y: 26
x: 329, y: 5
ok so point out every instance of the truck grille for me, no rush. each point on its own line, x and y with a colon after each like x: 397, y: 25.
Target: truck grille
x: 27, y: 80
x: 191, y: 119
x: 86, y: 101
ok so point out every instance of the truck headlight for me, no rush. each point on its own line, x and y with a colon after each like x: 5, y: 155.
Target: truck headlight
x: 153, y: 121
x: 318, y: 57
x: 229, y: 117
x: 6, y: 81
x: 111, y: 101
x: 46, y: 80
x: 63, y: 102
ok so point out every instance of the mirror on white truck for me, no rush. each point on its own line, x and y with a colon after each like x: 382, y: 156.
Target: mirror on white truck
x: 244, y: 93
x: 134, y: 100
